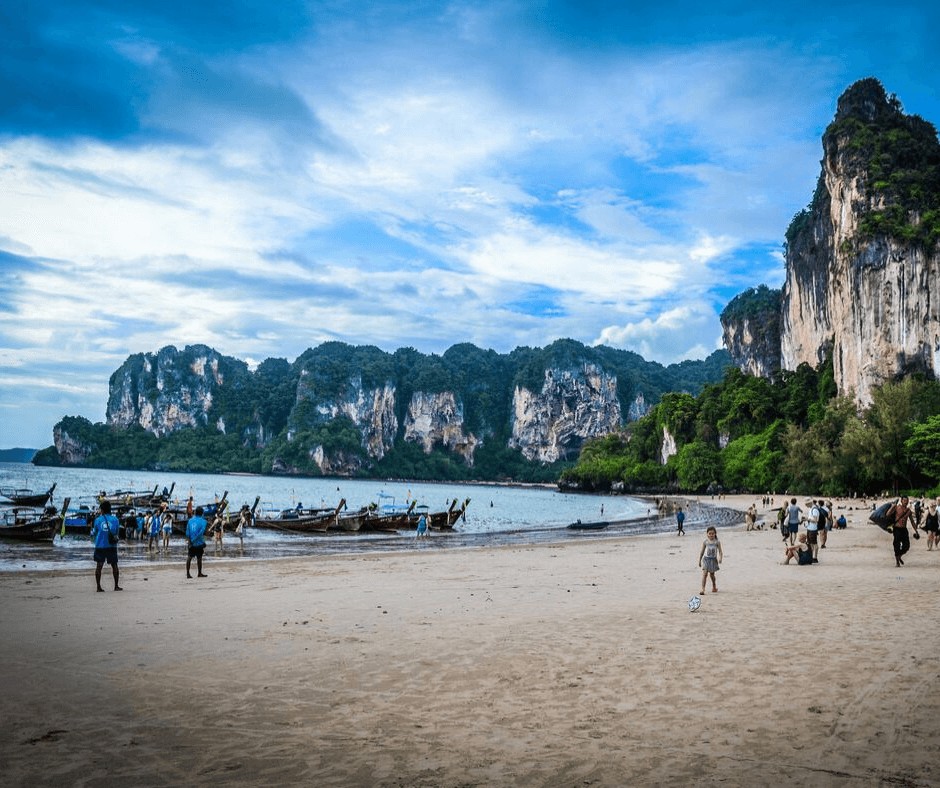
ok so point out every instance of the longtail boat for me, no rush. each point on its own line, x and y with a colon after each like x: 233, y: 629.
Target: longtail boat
x: 24, y: 497
x: 351, y: 522
x: 31, y: 525
x: 441, y: 521
x: 307, y: 521
x: 122, y: 500
x: 180, y: 514
x: 388, y: 517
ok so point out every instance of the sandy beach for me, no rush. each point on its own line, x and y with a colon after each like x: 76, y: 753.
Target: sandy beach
x: 549, y: 665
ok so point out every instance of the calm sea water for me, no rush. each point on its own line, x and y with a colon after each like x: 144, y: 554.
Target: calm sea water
x: 495, y: 515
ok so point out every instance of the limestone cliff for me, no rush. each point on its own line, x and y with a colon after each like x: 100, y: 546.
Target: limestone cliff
x: 167, y: 390
x: 572, y: 406
x: 438, y: 419
x: 862, y: 260
x: 71, y: 450
x: 751, y: 331
x: 371, y: 411
x: 340, y: 409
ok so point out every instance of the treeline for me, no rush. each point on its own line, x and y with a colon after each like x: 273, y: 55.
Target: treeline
x: 751, y: 434
x: 207, y: 450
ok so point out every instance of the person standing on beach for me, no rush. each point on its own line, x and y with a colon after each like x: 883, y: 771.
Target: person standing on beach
x: 680, y: 520
x: 793, y: 521
x: 901, y: 514
x: 710, y: 557
x: 196, y: 535
x: 932, y: 526
x: 422, y: 526
x: 812, y: 528
x: 104, y: 531
x: 167, y: 519
x: 824, y: 523
x: 153, y: 530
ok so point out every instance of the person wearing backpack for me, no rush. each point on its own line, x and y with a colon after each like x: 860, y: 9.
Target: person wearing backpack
x: 823, y: 523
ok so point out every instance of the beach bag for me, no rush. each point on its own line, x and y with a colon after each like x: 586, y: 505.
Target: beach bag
x: 112, y: 537
x: 805, y: 558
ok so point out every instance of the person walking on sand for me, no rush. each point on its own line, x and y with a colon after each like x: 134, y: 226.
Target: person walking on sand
x: 153, y: 530
x: 932, y: 526
x: 901, y: 514
x: 167, y: 519
x: 680, y: 520
x: 710, y: 557
x: 422, y: 527
x: 104, y: 532
x: 196, y: 535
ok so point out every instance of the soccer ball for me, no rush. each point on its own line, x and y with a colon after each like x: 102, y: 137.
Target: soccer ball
x: 695, y: 603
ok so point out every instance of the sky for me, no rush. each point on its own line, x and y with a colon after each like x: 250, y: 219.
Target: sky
x: 262, y: 177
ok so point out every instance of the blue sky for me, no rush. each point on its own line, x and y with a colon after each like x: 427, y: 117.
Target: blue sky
x: 262, y: 177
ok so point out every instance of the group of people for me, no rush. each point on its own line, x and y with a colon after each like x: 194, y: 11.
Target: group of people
x: 818, y: 522
x: 105, y: 533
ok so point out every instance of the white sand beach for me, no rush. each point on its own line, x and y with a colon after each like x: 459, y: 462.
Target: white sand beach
x: 551, y: 665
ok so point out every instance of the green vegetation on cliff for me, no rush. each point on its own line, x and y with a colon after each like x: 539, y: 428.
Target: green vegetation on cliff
x: 899, y: 157
x: 749, y: 434
x: 284, y: 417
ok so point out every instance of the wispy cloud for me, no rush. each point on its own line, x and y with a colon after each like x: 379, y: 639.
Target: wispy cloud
x: 261, y: 178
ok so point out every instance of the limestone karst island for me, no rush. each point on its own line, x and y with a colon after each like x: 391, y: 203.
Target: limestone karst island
x: 828, y: 383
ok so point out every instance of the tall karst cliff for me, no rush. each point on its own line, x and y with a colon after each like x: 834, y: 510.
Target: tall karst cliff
x: 862, y: 260
x: 343, y: 409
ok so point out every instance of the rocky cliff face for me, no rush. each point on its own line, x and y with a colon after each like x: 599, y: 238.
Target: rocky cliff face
x: 439, y: 419
x: 572, y: 406
x: 371, y: 410
x: 166, y: 391
x: 751, y: 331
x: 862, y: 273
x: 343, y: 409
x: 72, y: 451
x: 862, y: 260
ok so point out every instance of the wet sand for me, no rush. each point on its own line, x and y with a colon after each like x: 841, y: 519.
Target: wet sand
x: 568, y: 664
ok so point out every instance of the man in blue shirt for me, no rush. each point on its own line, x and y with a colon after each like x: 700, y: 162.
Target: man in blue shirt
x: 196, y: 534
x: 104, y: 529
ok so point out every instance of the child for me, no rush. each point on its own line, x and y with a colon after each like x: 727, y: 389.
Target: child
x: 710, y: 557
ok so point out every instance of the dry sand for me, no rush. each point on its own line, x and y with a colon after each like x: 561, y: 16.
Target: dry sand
x: 573, y: 665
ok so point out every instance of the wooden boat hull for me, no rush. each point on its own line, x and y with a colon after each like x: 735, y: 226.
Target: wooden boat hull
x: 27, y: 497
x: 308, y: 525
x: 595, y: 526
x: 349, y: 523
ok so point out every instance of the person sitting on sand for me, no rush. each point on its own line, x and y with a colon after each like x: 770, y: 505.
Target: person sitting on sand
x: 800, y: 551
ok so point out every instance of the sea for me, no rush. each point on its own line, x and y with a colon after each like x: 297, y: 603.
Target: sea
x: 496, y: 514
